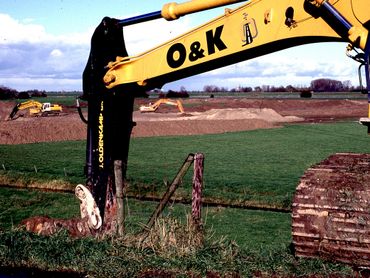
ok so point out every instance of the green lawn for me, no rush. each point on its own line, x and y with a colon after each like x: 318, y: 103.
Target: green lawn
x: 253, y: 167
x: 259, y: 167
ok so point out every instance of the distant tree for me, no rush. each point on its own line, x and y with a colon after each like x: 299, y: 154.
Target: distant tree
x: 174, y: 94
x: 347, y: 85
x: 7, y: 93
x: 326, y: 85
x: 23, y: 95
x: 214, y: 89
x: 211, y: 89
x: 277, y: 89
x: 359, y: 89
x: 183, y: 89
x: 265, y: 88
x: 36, y: 93
x: 245, y: 89
x: 258, y: 89
x: 290, y: 89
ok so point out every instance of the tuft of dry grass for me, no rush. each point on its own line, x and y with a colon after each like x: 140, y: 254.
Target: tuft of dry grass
x: 169, y: 237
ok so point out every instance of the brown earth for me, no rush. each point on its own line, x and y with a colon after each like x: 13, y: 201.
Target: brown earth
x: 217, y: 115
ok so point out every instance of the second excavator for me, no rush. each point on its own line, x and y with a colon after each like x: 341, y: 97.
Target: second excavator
x: 152, y: 107
x: 36, y: 108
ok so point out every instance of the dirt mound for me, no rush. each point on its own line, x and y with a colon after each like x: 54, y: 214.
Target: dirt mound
x: 42, y: 129
x: 208, y: 122
x: 202, y: 116
x: 193, y: 127
x: 265, y: 114
x: 70, y: 127
x: 5, y: 109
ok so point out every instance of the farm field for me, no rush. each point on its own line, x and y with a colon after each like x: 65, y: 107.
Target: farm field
x: 249, y: 163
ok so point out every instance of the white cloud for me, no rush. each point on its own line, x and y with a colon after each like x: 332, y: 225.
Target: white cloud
x: 142, y: 37
x: 12, y: 31
x: 31, y: 58
x: 56, y: 53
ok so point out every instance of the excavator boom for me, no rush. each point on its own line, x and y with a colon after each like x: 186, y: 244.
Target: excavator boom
x: 152, y: 107
x: 256, y: 28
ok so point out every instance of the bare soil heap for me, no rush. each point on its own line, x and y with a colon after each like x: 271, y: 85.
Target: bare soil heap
x: 203, y: 116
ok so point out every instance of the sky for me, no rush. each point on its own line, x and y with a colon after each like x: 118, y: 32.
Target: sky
x: 44, y: 45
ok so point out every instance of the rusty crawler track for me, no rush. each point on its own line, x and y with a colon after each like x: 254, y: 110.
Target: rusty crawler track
x: 331, y: 210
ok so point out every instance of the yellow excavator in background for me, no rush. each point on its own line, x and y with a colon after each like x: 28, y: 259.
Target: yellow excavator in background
x: 37, y: 108
x: 152, y: 107
x: 112, y: 79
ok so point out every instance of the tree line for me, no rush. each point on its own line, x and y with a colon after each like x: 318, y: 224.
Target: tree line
x: 317, y: 85
x: 9, y: 93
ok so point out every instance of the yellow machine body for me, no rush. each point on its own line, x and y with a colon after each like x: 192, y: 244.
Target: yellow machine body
x: 256, y: 28
x: 37, y: 108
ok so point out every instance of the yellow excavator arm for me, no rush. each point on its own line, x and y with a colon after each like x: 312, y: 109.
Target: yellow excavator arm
x: 152, y: 107
x: 256, y: 28
x: 29, y: 104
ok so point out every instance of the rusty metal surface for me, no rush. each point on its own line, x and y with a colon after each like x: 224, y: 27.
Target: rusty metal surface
x: 331, y: 210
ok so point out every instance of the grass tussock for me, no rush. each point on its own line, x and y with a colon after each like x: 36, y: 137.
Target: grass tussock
x: 169, y: 237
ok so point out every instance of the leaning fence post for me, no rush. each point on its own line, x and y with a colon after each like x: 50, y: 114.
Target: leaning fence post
x: 197, y: 189
x: 171, y: 189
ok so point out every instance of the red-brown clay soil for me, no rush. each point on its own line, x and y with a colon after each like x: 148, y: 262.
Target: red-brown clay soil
x: 213, y: 115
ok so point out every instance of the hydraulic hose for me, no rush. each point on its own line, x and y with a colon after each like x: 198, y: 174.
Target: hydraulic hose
x: 80, y: 111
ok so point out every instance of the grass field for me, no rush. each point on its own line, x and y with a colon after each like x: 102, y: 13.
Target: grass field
x: 259, y: 167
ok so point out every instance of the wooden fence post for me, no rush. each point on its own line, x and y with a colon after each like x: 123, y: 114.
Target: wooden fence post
x: 197, y: 189
x: 171, y: 189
